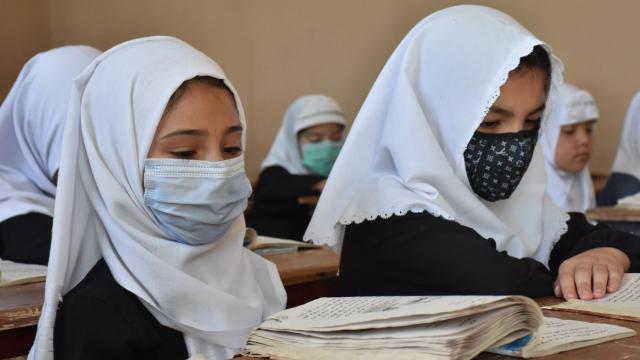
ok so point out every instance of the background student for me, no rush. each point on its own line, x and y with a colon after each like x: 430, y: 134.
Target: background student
x: 438, y: 189
x: 624, y: 179
x: 32, y: 118
x: 147, y: 252
x: 297, y: 165
x: 566, y: 143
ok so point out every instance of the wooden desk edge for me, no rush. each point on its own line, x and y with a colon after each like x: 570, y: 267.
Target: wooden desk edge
x: 614, y: 214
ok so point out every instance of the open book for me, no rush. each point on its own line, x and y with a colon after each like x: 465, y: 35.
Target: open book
x: 265, y: 245
x: 418, y: 327
x: 622, y: 304
x: 12, y: 273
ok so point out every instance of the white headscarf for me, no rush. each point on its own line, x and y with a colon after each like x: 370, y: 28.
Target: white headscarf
x: 305, y: 112
x: 627, y: 159
x: 31, y: 121
x: 405, y: 149
x: 214, y: 294
x: 570, y: 191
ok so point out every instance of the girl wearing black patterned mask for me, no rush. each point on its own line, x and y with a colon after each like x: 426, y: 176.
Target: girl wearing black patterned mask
x: 441, y: 164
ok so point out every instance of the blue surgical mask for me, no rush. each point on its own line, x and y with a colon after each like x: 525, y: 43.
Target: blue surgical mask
x: 319, y: 157
x: 194, y: 201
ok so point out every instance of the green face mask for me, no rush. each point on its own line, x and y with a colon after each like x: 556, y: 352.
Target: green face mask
x: 319, y: 157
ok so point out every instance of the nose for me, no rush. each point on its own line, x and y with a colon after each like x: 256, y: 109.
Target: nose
x: 584, y: 137
x: 214, y: 155
x: 516, y: 125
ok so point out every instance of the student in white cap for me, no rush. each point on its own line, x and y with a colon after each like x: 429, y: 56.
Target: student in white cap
x: 439, y: 189
x: 566, y: 144
x: 32, y: 118
x: 146, y: 258
x: 297, y: 165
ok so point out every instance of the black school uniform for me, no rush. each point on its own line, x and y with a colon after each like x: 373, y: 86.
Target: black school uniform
x: 276, y: 211
x: 99, y: 319
x: 26, y: 238
x: 419, y: 254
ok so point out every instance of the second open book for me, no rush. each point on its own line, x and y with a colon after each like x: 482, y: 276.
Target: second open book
x: 418, y: 327
x: 622, y: 304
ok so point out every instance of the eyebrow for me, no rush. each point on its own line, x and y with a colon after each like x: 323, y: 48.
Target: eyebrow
x: 501, y: 111
x: 189, y: 132
x: 198, y: 132
x: 232, y: 129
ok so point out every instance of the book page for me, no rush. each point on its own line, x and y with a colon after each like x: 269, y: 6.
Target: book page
x: 329, y: 314
x: 624, y: 303
x: 12, y: 273
x: 557, y: 335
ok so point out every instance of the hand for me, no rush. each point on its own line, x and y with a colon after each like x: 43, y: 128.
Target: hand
x: 319, y: 186
x: 591, y: 274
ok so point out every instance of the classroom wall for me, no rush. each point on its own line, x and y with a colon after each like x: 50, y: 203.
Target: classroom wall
x: 24, y: 31
x: 276, y: 50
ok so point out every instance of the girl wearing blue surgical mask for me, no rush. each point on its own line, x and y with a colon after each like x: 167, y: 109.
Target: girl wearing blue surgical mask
x: 147, y: 258
x: 440, y: 187
x: 296, y: 167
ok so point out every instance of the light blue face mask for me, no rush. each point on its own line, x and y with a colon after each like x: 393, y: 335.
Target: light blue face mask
x: 319, y: 157
x: 195, y: 202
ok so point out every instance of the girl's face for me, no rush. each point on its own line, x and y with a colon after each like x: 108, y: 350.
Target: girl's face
x: 520, y: 105
x: 574, y: 146
x: 202, y: 124
x: 319, y: 133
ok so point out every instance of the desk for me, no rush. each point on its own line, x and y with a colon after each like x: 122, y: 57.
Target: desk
x: 628, y: 348
x: 19, y: 312
x: 307, y: 275
x: 623, y: 219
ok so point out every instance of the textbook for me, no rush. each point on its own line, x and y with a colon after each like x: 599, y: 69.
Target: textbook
x: 419, y: 327
x: 13, y: 273
x: 265, y: 245
x: 623, y: 304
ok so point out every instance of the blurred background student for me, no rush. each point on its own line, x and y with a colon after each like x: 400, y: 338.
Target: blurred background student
x: 625, y: 172
x: 297, y: 165
x: 566, y: 143
x: 32, y: 118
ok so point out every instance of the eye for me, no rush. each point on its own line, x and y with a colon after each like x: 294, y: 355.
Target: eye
x: 532, y: 123
x: 569, y: 131
x: 184, y: 154
x: 489, y: 124
x: 233, y: 150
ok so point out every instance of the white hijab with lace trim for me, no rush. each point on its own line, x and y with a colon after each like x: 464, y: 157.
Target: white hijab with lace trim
x: 627, y: 159
x: 305, y: 112
x: 570, y: 191
x: 31, y: 121
x: 214, y: 294
x: 405, y: 149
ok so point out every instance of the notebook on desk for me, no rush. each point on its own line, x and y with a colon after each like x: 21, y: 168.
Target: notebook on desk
x: 13, y: 273
x: 265, y: 245
x: 418, y: 327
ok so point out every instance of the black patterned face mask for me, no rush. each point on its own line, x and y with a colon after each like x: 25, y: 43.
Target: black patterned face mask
x: 496, y: 163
